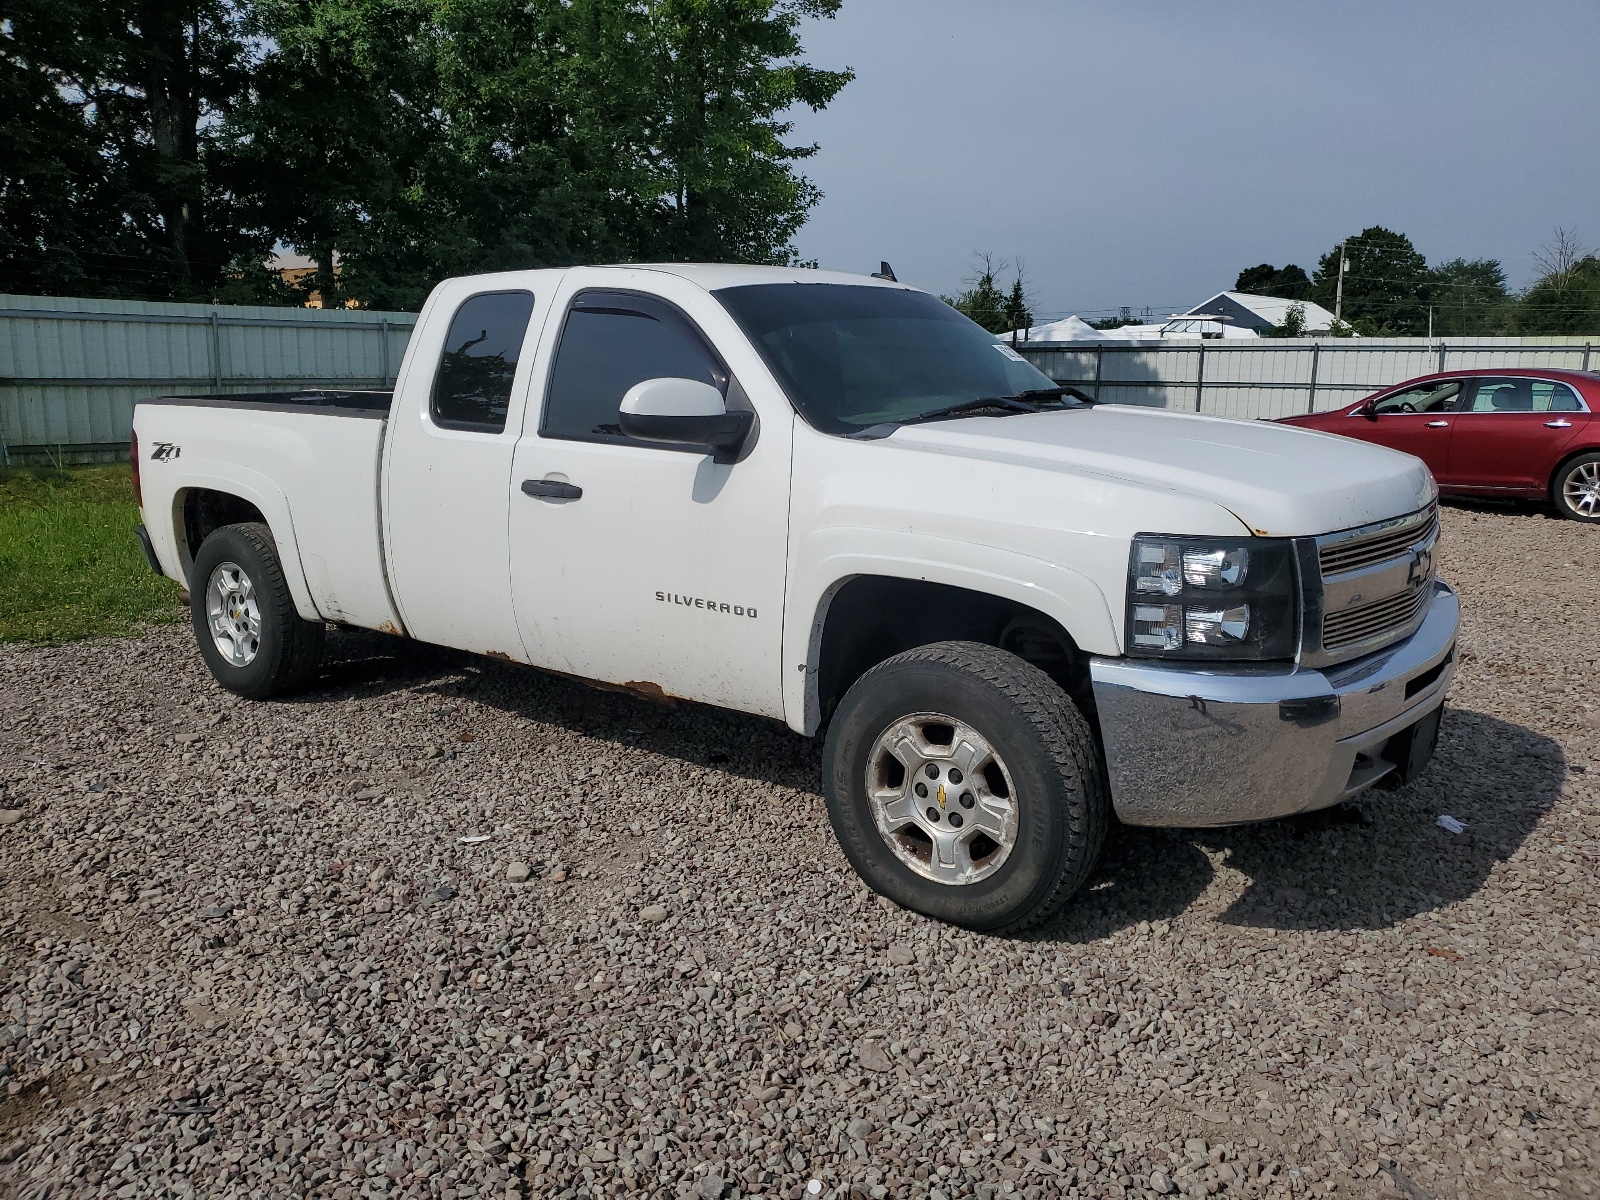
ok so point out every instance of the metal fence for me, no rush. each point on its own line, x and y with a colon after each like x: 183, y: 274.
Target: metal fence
x: 71, y: 369
x: 1276, y: 377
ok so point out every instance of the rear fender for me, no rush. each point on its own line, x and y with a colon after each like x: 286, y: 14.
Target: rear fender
x: 173, y: 547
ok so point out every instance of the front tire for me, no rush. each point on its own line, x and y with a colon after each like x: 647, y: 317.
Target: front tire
x: 251, y: 637
x: 1576, y: 490
x: 963, y: 783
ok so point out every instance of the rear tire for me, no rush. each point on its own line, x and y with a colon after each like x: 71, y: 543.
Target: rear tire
x: 964, y: 784
x: 252, y: 639
x: 1576, y: 489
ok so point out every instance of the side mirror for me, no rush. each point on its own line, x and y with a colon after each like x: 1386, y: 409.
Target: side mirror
x: 687, y: 412
x: 1369, y: 410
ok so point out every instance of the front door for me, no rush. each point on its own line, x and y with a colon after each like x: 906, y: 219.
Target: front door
x: 1417, y: 420
x: 653, y: 566
x: 1511, y: 434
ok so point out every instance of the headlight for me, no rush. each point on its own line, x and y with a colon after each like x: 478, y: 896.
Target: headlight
x: 1207, y: 598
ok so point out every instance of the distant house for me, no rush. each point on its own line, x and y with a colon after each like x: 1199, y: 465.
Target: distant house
x: 298, y: 271
x: 1261, y: 313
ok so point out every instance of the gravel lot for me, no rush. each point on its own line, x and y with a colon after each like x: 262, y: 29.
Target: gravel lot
x: 281, y: 949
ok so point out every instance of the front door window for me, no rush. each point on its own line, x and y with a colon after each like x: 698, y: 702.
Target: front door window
x: 611, y: 342
x: 1437, y: 397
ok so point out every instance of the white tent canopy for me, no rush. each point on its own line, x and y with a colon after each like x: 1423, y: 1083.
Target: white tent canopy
x: 1075, y: 329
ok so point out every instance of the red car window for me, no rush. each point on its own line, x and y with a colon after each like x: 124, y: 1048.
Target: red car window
x: 1438, y: 396
x: 1496, y: 394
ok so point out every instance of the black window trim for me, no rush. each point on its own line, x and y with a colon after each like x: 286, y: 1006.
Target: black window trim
x: 733, y: 394
x: 433, y: 389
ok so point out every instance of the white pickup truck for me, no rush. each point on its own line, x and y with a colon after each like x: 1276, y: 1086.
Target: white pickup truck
x: 834, y: 501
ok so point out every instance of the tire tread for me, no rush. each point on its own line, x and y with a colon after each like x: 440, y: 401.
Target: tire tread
x: 299, y: 650
x: 1557, y: 494
x: 1067, y: 739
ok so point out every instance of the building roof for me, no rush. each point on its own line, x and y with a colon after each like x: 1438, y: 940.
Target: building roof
x: 1269, y: 310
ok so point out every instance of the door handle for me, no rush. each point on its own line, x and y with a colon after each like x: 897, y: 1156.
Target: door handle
x: 1558, y: 424
x: 1438, y: 424
x: 551, y: 489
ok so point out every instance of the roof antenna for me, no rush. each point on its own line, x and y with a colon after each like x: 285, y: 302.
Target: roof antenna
x: 885, y: 271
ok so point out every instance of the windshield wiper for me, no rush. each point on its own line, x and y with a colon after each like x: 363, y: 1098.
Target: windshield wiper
x: 1017, y: 402
x: 1046, y: 393
x: 1030, y: 401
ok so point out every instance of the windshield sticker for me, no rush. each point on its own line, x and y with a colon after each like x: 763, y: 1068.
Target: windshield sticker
x: 1009, y: 352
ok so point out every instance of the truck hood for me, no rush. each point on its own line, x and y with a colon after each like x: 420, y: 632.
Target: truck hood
x: 1278, y: 480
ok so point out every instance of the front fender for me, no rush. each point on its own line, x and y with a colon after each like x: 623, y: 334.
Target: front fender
x: 1062, y: 593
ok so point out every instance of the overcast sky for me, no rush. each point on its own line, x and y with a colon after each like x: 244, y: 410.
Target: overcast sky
x: 1142, y: 153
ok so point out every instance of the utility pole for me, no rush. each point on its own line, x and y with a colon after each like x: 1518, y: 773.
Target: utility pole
x: 1338, y: 291
x: 1430, y: 322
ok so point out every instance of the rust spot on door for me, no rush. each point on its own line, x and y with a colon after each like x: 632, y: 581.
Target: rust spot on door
x: 647, y: 691
x: 388, y: 627
x: 500, y: 656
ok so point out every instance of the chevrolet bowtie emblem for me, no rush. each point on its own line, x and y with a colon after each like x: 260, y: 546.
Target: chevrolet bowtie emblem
x: 941, y: 795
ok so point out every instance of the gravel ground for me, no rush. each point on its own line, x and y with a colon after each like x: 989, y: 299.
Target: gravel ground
x: 445, y: 927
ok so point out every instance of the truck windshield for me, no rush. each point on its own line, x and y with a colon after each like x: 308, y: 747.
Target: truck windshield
x: 853, y: 356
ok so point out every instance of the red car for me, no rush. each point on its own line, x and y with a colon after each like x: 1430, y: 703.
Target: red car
x: 1493, y: 432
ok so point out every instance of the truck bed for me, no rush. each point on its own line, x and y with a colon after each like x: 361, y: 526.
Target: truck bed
x: 309, y: 461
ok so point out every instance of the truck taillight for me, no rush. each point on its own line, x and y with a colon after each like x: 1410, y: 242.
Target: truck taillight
x: 133, y: 459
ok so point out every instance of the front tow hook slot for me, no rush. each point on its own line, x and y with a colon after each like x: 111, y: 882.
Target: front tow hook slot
x: 1309, y: 712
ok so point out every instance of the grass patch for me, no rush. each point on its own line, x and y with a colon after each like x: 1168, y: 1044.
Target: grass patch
x: 70, y: 565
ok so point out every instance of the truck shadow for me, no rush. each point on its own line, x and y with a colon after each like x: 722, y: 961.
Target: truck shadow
x: 372, y: 665
x: 1367, y: 864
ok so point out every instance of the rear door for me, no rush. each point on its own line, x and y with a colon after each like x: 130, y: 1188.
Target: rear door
x: 1417, y: 420
x: 1511, y: 433
x: 453, y: 432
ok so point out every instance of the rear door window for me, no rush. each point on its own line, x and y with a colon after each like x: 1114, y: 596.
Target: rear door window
x: 611, y: 341
x: 1498, y: 394
x: 472, y: 389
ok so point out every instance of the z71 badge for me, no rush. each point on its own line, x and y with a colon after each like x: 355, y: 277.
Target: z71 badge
x: 165, y: 452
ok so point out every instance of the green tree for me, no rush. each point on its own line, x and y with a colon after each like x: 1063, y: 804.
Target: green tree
x: 1018, y: 313
x: 1293, y: 326
x: 983, y: 301
x: 1385, y: 287
x: 1288, y: 282
x: 1468, y: 296
x: 451, y: 136
x: 1564, y: 303
x: 346, y: 104
x: 114, y: 157
x: 1565, y: 299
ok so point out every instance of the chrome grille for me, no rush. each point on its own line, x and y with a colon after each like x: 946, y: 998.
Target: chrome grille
x: 1351, y: 625
x: 1362, y: 551
x: 1377, y: 582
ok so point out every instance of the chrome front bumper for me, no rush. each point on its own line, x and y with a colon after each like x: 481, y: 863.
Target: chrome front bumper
x: 1193, y: 746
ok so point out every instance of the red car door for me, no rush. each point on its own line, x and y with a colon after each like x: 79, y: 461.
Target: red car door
x: 1417, y: 420
x: 1510, y: 434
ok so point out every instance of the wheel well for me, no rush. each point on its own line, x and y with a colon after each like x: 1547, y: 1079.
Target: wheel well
x: 205, y: 511
x: 874, y: 617
x: 1550, y: 484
